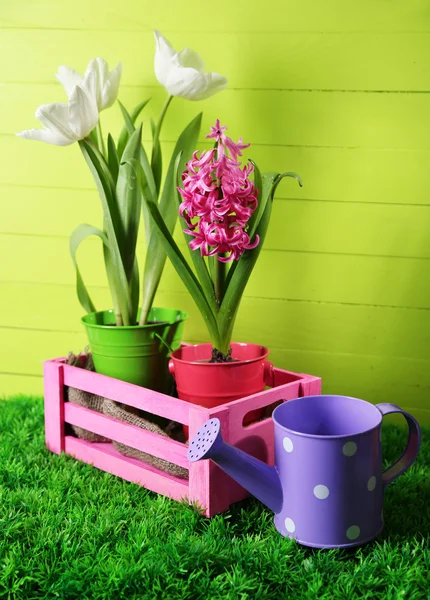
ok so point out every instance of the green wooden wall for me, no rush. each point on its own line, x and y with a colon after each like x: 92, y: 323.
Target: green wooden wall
x: 336, y: 90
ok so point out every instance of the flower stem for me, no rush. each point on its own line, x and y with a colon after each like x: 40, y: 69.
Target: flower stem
x: 155, y: 145
x: 102, y: 147
x: 220, y: 277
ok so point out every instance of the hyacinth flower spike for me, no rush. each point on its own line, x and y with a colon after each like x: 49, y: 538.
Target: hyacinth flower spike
x: 225, y: 209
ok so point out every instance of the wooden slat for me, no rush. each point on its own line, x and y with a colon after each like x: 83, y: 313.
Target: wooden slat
x: 393, y: 121
x: 106, y: 458
x: 337, y: 328
x: 290, y: 275
x: 127, y: 434
x: 127, y: 393
x: 313, y: 226
x: 12, y: 384
x: 53, y: 406
x: 373, y: 378
x: 404, y: 381
x: 299, y: 60
x: 360, y: 175
x: 278, y: 15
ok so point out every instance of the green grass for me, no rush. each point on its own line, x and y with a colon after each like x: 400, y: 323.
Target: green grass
x: 68, y: 530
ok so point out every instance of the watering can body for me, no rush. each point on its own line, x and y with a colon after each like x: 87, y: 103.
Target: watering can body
x: 327, y: 486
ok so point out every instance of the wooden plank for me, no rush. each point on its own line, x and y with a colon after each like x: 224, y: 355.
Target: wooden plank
x: 404, y: 381
x: 127, y: 393
x: 353, y: 175
x: 374, y: 378
x: 296, y: 275
x: 106, y: 458
x: 325, y: 327
x: 306, y: 225
x: 53, y: 407
x: 290, y: 117
x: 127, y: 434
x: 299, y: 60
x: 15, y: 385
x: 278, y: 15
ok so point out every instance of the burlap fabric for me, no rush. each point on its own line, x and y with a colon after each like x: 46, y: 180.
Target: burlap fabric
x: 121, y: 412
x: 85, y: 399
x: 127, y: 414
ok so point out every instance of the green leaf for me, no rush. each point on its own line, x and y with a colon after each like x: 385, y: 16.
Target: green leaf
x: 105, y: 186
x: 149, y: 188
x: 129, y: 203
x: 168, y: 206
x: 241, y: 271
x: 172, y: 250
x: 129, y: 118
x: 198, y: 260
x: 135, y: 289
x: 81, y: 233
x: 156, y: 158
x: 257, y: 214
x: 113, y: 161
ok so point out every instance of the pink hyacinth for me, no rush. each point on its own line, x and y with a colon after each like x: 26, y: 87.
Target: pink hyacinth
x: 219, y: 199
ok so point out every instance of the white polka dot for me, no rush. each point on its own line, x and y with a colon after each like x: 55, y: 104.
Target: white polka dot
x: 288, y: 444
x: 353, y: 532
x: 371, y: 484
x: 321, y: 492
x: 290, y: 525
x: 349, y: 449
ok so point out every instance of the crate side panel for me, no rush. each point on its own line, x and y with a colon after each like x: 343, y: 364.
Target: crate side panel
x: 106, y: 458
x: 131, y: 435
x: 127, y: 393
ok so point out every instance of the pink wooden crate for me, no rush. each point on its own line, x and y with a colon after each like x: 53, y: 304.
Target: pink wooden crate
x: 207, y: 485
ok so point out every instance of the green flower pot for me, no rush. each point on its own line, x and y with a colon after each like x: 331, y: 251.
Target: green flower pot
x: 138, y: 354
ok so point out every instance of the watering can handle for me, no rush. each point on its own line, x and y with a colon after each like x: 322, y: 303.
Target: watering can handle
x: 412, y: 446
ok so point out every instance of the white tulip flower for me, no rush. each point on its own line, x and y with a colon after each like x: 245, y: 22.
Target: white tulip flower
x: 107, y: 82
x: 182, y: 73
x: 67, y: 123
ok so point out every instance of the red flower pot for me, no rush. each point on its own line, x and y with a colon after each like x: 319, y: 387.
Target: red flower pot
x: 210, y: 384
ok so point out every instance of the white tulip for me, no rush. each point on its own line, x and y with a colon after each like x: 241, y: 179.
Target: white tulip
x: 182, y: 73
x: 107, y: 82
x: 67, y: 123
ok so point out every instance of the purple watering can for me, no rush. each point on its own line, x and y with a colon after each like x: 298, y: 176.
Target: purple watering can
x: 327, y: 486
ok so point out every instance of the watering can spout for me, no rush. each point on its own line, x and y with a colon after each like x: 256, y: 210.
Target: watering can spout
x: 261, y: 480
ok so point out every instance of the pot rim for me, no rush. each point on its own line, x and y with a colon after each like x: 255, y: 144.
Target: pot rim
x: 264, y: 355
x: 153, y: 325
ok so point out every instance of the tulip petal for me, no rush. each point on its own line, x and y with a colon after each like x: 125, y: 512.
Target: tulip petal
x: 68, y: 78
x: 54, y: 117
x: 184, y: 82
x: 164, y: 58
x: 100, y: 68
x: 83, y: 113
x: 189, y: 58
x: 214, y: 83
x: 111, y: 87
x: 44, y: 135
